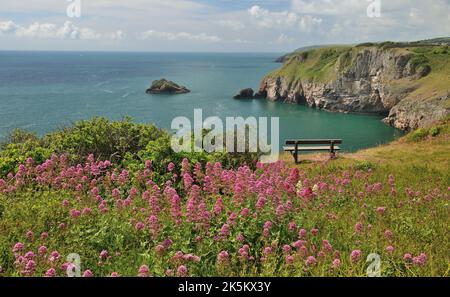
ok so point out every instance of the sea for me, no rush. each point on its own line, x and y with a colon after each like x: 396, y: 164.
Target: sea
x: 42, y: 91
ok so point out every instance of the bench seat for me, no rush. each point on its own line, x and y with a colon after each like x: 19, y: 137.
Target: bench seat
x: 310, y: 145
x: 310, y: 148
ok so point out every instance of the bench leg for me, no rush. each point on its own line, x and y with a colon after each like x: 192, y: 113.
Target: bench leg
x: 332, y: 155
x: 296, y: 158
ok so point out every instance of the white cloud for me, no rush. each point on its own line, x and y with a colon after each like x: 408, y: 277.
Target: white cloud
x: 51, y: 31
x: 232, y: 24
x: 283, y: 38
x: 179, y: 36
x: 346, y: 21
x: 283, y: 19
x: 268, y: 19
x: 7, y: 27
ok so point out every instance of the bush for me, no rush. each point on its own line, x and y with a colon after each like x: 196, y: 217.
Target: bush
x: 435, y: 131
x: 123, y: 142
x: 20, y: 146
x: 105, y: 139
x: 418, y: 135
x: 365, y: 166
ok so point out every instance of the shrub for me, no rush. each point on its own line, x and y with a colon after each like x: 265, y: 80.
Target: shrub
x: 105, y: 139
x: 418, y: 135
x: 435, y: 131
x: 365, y: 165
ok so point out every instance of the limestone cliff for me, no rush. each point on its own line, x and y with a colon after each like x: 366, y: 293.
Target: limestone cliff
x: 409, y: 85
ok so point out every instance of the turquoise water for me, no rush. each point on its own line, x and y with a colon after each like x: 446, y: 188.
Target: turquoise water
x: 42, y: 91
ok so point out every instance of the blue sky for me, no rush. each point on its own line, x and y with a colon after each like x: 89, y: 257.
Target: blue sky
x: 215, y: 25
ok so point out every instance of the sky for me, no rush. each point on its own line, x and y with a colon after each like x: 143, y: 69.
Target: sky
x: 215, y: 25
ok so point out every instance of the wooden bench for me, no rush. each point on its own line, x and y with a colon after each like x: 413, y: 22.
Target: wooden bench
x: 310, y: 145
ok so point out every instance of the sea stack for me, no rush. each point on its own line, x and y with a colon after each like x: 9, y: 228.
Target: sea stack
x: 164, y: 86
x: 245, y: 94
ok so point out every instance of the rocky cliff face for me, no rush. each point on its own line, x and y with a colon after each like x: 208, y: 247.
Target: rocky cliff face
x: 364, y: 80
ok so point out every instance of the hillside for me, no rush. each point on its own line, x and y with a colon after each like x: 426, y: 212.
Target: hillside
x: 406, y: 82
x: 137, y: 209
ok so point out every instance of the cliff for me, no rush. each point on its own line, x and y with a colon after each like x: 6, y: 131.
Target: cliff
x: 410, y: 85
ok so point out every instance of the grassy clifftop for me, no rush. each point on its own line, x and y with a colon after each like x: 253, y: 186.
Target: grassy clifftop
x: 327, y: 63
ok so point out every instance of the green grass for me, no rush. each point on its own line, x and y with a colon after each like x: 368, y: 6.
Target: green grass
x: 419, y: 164
x: 326, y: 64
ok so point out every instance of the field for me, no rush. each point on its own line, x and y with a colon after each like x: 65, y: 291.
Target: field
x: 141, y: 214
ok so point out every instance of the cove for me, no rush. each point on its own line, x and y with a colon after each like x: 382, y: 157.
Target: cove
x: 43, y: 91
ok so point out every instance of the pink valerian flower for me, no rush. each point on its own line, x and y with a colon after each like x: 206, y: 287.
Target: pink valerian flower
x: 167, y: 243
x: 160, y: 249
x: 321, y: 255
x: 44, y: 235
x: 88, y: 273
x: 326, y: 246
x: 266, y: 230
x: 240, y: 237
x: 292, y: 227
x: 336, y: 263
x: 244, y: 212
x: 139, y: 226
x: 178, y: 256
x: 302, y: 233
x: 103, y: 254
x: 114, y: 274
x: 182, y: 271
x: 314, y: 231
x: 303, y: 251
x: 223, y: 258
x: 356, y: 255
x: 299, y: 243
x: 420, y: 260
x: 218, y: 206
x: 289, y: 259
x: 310, y: 261
x: 42, y: 250
x: 153, y: 225
x: 267, y: 250
x: 170, y: 167
x: 225, y: 230
x: 244, y: 253
x: 390, y: 249
x: 143, y: 271
x: 407, y: 257
x: 29, y: 255
x: 359, y: 227
x: 381, y: 210
x: 18, y: 247
x: 287, y: 249
x: 176, y: 207
x: 391, y: 180
x: 50, y: 273
x: 74, y: 213
x: 388, y: 234
x: 261, y: 202
x: 30, y: 268
x: 86, y: 211
x: 29, y: 234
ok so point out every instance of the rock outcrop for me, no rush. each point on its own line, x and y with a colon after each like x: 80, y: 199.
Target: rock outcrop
x: 164, y: 86
x: 386, y: 81
x: 245, y: 94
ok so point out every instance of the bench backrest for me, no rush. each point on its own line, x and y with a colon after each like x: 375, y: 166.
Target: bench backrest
x: 313, y: 141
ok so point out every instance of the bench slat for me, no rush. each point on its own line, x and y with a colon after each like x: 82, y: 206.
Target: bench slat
x: 310, y: 148
x: 313, y: 141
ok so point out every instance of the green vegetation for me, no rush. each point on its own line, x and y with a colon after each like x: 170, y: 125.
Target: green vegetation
x: 429, y: 63
x: 123, y: 142
x: 143, y: 216
x: 315, y: 65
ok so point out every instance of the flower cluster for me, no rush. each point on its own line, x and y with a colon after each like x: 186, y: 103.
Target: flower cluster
x: 207, y: 220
